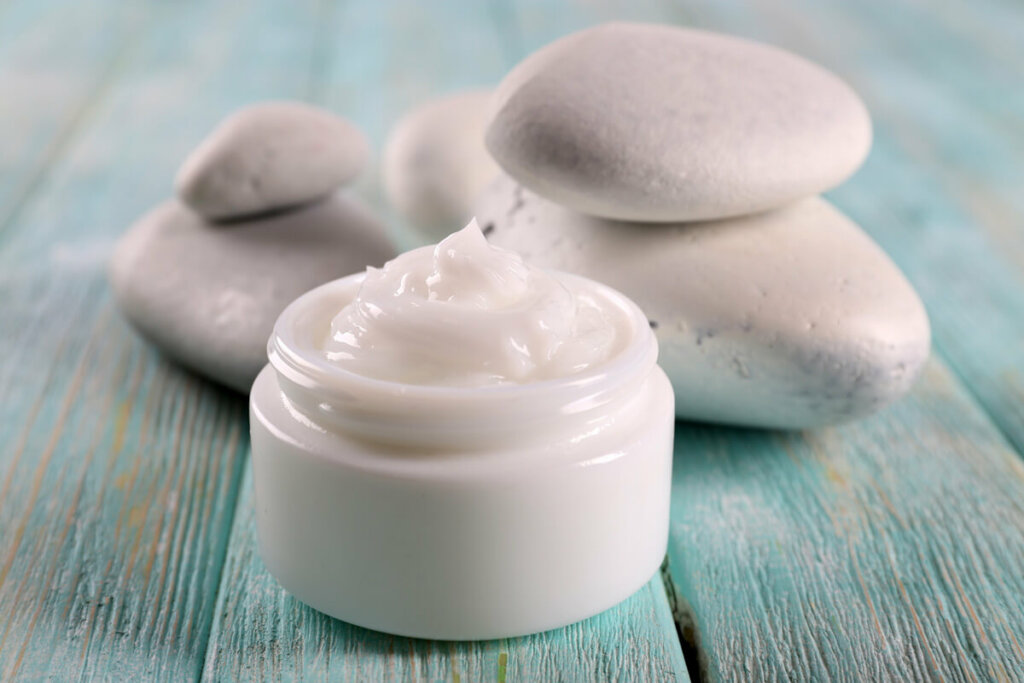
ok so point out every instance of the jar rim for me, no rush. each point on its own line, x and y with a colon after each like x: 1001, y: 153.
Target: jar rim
x: 286, y: 348
x: 416, y: 414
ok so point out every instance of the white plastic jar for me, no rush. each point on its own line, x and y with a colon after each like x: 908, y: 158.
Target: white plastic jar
x: 460, y: 512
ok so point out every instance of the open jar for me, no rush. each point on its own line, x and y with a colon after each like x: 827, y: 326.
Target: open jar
x: 460, y: 512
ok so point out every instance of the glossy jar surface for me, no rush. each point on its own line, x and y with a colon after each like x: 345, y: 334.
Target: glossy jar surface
x: 459, y: 513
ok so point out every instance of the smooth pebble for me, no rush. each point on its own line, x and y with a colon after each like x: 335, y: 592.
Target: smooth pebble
x: 656, y: 123
x: 209, y: 295
x: 270, y: 156
x: 435, y: 163
x: 788, y: 319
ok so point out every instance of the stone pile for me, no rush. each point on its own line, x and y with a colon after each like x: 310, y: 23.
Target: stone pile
x: 682, y: 167
x: 257, y: 222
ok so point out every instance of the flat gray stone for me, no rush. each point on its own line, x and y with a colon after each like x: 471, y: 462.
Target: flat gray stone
x: 270, y: 156
x: 789, y: 319
x: 656, y: 123
x: 435, y: 163
x: 209, y: 295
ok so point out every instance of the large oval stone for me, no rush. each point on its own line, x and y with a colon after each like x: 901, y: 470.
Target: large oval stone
x: 793, y: 318
x: 209, y: 295
x: 656, y: 123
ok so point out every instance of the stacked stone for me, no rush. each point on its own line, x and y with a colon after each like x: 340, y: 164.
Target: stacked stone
x: 682, y: 167
x: 257, y: 222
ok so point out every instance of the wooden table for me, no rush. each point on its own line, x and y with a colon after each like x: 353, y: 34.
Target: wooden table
x: 888, y: 549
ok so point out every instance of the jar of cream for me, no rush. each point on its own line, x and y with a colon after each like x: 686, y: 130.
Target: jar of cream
x: 460, y: 446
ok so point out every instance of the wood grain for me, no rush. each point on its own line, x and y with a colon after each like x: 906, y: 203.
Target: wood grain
x: 119, y: 472
x: 889, y: 549
x: 48, y: 94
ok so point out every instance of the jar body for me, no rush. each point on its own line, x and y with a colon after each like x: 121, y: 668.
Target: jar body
x: 465, y: 545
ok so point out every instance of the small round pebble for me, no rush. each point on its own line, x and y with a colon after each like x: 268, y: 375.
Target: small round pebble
x: 656, y: 123
x: 435, y: 163
x: 209, y: 295
x: 789, y: 319
x: 270, y: 156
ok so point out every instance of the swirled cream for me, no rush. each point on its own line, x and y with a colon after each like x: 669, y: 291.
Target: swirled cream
x: 464, y: 313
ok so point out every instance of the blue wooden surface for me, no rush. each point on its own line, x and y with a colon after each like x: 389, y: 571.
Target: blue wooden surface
x: 892, y: 548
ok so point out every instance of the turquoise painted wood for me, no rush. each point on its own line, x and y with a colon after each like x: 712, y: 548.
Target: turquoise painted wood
x: 47, y: 94
x: 118, y: 472
x: 892, y: 548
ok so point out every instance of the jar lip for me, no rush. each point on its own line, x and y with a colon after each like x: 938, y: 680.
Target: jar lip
x: 296, y: 355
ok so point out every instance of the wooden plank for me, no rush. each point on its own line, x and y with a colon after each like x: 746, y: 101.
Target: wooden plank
x: 51, y: 75
x: 119, y: 472
x: 889, y: 549
x: 263, y: 634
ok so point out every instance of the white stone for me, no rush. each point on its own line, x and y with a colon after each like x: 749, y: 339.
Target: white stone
x: 789, y: 319
x: 435, y: 163
x: 208, y: 295
x: 657, y: 123
x: 270, y: 156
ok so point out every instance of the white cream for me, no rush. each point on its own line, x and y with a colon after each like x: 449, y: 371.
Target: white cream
x: 464, y: 313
